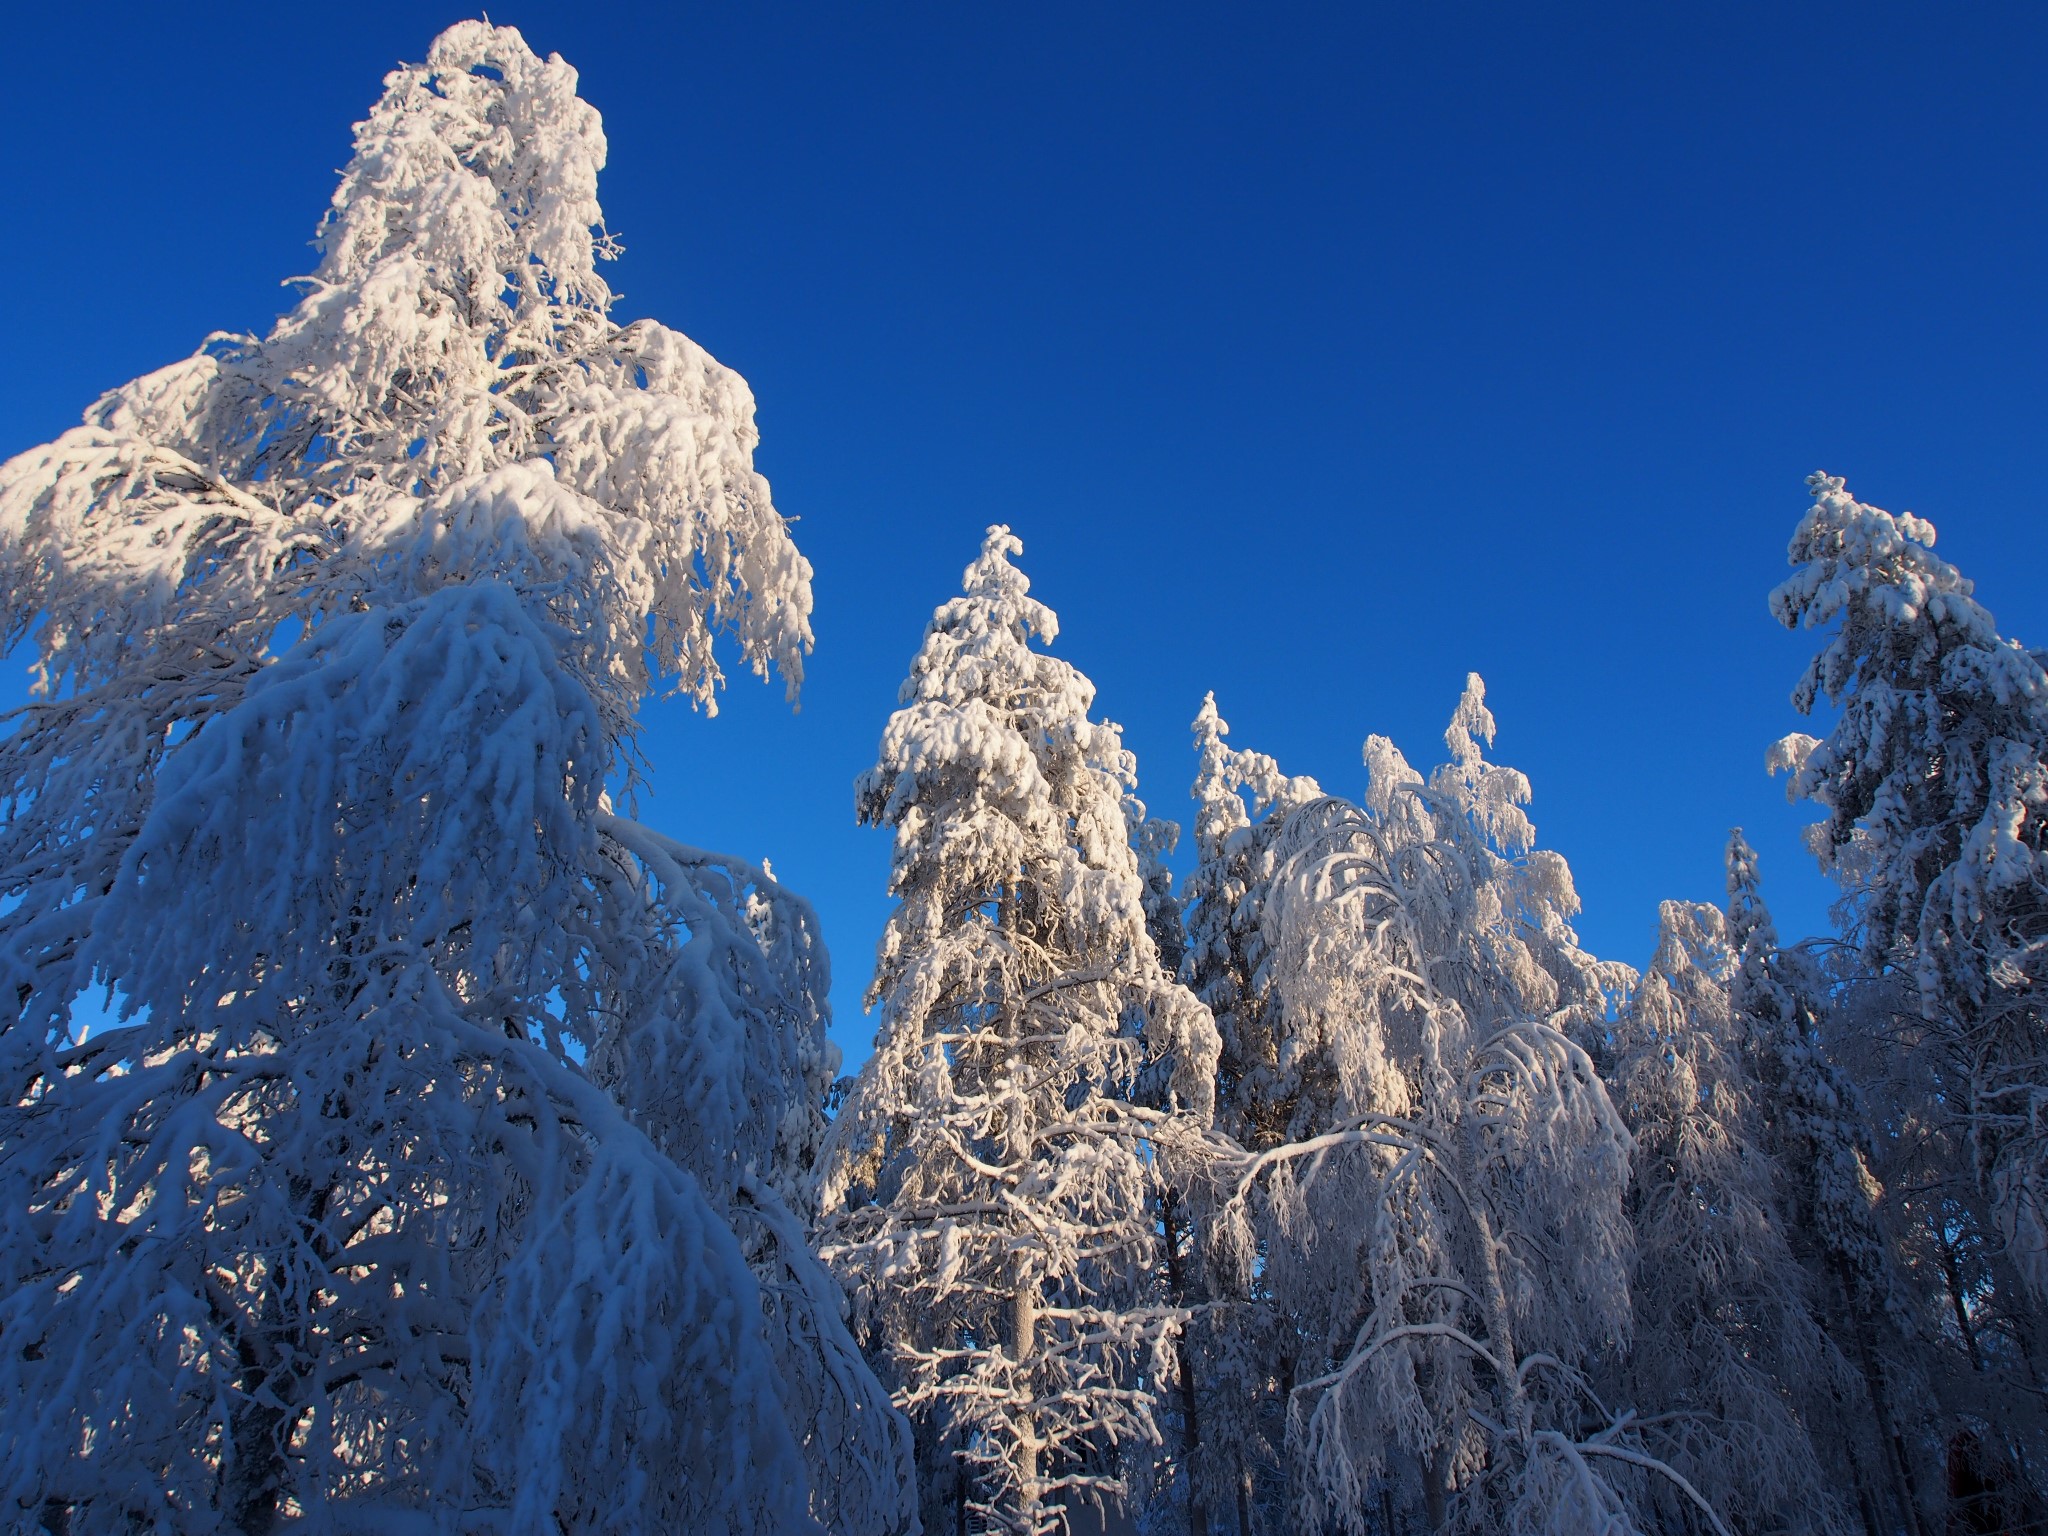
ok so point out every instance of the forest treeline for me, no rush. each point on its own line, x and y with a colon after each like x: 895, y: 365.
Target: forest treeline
x: 470, y: 1157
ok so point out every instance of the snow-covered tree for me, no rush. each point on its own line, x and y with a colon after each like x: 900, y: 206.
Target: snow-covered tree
x: 1241, y: 799
x: 1444, y: 1228
x: 1227, y: 1457
x: 1935, y: 780
x: 988, y: 1182
x: 1810, y: 1129
x: 1725, y: 1341
x: 437, y: 1177
x: 1953, y: 1342
x: 1811, y: 1116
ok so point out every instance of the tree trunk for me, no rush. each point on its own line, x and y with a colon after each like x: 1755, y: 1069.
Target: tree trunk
x: 1955, y: 1289
x: 1024, y: 1295
x: 1880, y: 1402
x: 1493, y: 1296
x: 255, y: 1462
x: 1025, y: 1313
x: 1190, y: 1408
x: 1436, y: 1502
x: 2015, y: 1299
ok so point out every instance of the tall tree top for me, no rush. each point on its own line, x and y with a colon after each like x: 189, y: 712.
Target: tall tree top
x: 483, y: 150
x: 1935, y: 777
x: 994, y: 748
x: 1492, y: 795
x: 447, y: 401
x: 1902, y: 609
x: 978, y: 645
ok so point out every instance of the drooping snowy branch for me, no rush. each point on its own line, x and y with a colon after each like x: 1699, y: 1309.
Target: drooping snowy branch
x: 1441, y: 1232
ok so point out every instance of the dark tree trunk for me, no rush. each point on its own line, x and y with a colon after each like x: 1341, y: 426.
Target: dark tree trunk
x: 1190, y: 1407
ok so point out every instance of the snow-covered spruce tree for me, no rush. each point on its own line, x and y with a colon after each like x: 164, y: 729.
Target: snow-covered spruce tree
x: 987, y: 1183
x: 1177, y: 1208
x: 1725, y: 1341
x: 1935, y: 780
x: 1445, y: 1227
x: 433, y: 1181
x: 1241, y: 799
x: 1809, y: 1128
x: 1240, y: 1353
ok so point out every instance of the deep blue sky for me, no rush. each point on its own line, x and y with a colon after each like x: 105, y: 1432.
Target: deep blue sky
x: 1318, y: 355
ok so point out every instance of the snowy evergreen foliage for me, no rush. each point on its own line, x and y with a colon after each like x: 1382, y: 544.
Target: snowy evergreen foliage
x: 1810, y: 1109
x: 1815, y: 1143
x: 1238, y: 1360
x: 1935, y: 780
x: 1242, y: 799
x: 439, y: 1175
x: 989, y: 1183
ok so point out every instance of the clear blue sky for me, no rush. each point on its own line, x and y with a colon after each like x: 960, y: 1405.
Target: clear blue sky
x: 1318, y: 354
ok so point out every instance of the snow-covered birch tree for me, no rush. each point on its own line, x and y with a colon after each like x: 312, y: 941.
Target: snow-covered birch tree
x: 1444, y: 1225
x: 435, y: 1178
x: 1935, y: 781
x: 1726, y: 1344
x: 987, y: 1181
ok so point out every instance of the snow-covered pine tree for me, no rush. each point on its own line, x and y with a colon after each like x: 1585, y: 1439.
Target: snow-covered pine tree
x: 1444, y: 1231
x: 1725, y: 1341
x: 987, y: 1181
x: 1935, y: 780
x: 433, y: 1177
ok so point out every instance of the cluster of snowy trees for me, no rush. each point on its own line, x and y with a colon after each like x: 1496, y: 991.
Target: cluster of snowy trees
x: 470, y: 1157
